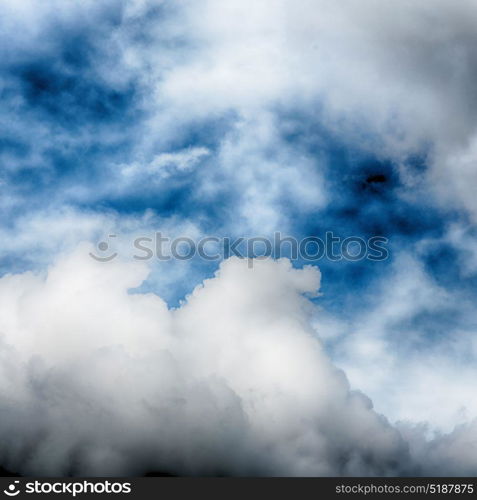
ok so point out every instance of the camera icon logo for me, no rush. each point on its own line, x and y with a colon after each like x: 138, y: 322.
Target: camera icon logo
x: 103, y: 247
x: 12, y: 490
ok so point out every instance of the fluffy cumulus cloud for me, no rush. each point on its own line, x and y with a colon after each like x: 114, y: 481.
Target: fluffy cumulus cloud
x: 237, y: 118
x: 97, y: 381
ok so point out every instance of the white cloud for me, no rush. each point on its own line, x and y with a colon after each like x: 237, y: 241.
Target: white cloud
x: 397, y: 351
x: 164, y: 165
x: 234, y: 368
x: 396, y: 76
x: 97, y: 381
x: 381, y: 75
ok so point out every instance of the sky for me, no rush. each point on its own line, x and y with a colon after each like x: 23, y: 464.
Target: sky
x: 123, y: 118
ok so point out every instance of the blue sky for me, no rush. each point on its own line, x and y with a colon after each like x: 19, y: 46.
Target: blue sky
x: 128, y: 117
